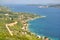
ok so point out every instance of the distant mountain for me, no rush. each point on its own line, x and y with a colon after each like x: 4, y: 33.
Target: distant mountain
x: 45, y: 6
x: 55, y: 5
x: 36, y: 5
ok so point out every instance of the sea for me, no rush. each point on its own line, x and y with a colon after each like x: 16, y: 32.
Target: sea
x: 48, y: 26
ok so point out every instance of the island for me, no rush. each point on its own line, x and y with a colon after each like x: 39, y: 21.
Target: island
x: 14, y: 25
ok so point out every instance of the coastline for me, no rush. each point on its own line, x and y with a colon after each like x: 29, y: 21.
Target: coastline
x: 39, y: 36
x: 35, y: 18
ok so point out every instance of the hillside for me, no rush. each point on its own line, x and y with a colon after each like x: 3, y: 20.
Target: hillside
x: 15, y: 23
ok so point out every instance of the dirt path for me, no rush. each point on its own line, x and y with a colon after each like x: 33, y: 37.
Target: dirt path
x: 9, y: 30
x: 11, y: 24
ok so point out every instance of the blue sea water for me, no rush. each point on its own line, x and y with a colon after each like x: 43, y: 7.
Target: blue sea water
x: 48, y: 26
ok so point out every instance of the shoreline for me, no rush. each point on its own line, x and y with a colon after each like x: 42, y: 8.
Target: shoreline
x: 39, y: 36
x: 35, y: 18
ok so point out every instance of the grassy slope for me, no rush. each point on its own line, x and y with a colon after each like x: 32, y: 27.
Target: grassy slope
x: 4, y: 34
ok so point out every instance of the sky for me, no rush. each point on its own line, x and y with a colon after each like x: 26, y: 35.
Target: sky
x: 29, y: 1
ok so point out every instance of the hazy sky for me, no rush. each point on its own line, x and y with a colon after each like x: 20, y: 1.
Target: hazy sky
x: 29, y: 1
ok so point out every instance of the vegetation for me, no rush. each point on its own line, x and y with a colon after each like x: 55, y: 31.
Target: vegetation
x: 6, y: 17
